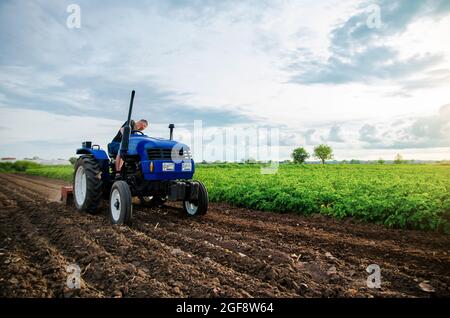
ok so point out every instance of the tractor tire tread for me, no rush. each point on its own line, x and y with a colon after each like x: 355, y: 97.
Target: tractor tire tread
x: 94, y: 183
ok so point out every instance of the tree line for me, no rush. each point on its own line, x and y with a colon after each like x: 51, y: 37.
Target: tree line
x: 324, y: 152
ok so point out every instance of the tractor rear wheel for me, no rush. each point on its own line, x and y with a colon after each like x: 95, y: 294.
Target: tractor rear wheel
x: 120, y: 203
x: 87, y: 184
x: 199, y: 206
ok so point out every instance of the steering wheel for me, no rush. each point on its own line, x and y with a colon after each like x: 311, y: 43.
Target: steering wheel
x: 137, y: 132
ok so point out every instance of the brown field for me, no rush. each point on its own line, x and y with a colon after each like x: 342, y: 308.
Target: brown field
x: 231, y: 252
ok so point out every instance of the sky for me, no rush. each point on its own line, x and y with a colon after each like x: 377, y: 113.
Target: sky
x: 369, y: 78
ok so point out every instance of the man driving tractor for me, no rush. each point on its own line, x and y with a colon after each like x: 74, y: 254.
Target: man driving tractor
x: 114, y: 146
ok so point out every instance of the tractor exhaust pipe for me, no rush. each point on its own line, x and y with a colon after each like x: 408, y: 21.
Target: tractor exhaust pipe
x: 127, y: 130
x: 171, y: 127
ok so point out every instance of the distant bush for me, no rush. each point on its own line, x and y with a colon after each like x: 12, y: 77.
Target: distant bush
x: 5, y: 166
x: 18, y: 166
x: 25, y: 165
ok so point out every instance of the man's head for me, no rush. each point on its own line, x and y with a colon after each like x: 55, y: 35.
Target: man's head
x: 141, y: 124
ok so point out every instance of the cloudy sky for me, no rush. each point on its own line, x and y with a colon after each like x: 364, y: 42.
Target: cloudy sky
x: 370, y: 78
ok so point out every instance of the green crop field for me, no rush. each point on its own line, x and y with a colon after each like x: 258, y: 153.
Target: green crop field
x: 56, y: 172
x: 405, y: 196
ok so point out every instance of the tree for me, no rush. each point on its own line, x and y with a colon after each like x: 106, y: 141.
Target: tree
x: 72, y: 160
x: 398, y: 159
x: 323, y: 152
x: 381, y: 161
x: 355, y: 162
x: 299, y: 155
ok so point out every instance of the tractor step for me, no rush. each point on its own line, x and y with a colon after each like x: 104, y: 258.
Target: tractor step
x: 67, y: 195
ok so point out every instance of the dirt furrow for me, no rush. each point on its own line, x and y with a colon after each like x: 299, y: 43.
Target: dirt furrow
x: 160, y: 261
x: 303, y: 244
x: 39, y: 181
x: 327, y: 224
x: 331, y: 241
x: 285, y: 276
x: 67, y: 239
x: 422, y: 264
x: 42, y: 191
x: 231, y: 252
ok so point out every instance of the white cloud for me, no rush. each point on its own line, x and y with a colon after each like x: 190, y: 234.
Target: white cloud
x: 208, y: 61
x: 28, y: 133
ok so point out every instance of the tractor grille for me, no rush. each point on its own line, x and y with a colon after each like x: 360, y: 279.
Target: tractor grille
x: 166, y: 154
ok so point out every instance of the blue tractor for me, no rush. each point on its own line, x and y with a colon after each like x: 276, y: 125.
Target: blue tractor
x: 154, y: 170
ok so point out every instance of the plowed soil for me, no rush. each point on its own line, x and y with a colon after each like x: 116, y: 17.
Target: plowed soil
x: 230, y: 252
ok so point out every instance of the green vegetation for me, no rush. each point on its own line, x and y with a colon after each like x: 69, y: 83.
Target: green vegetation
x: 323, y: 152
x: 18, y: 166
x: 56, y: 172
x: 299, y: 155
x: 63, y: 172
x: 401, y: 195
x: 405, y: 196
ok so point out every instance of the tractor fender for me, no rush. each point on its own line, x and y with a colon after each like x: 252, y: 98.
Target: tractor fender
x: 102, y: 158
x: 98, y: 154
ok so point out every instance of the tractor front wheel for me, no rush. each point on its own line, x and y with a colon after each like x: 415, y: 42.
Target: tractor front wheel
x: 199, y: 206
x: 120, y: 203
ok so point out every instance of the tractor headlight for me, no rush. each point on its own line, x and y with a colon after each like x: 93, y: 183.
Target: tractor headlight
x: 151, y: 166
x: 187, y: 166
x: 168, y: 166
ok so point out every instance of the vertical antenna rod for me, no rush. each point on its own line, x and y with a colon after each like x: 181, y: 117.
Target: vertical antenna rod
x: 127, y: 130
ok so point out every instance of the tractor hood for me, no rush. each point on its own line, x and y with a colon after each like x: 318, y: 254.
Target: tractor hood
x: 140, y: 143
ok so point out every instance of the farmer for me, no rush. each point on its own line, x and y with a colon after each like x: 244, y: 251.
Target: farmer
x: 114, y: 146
